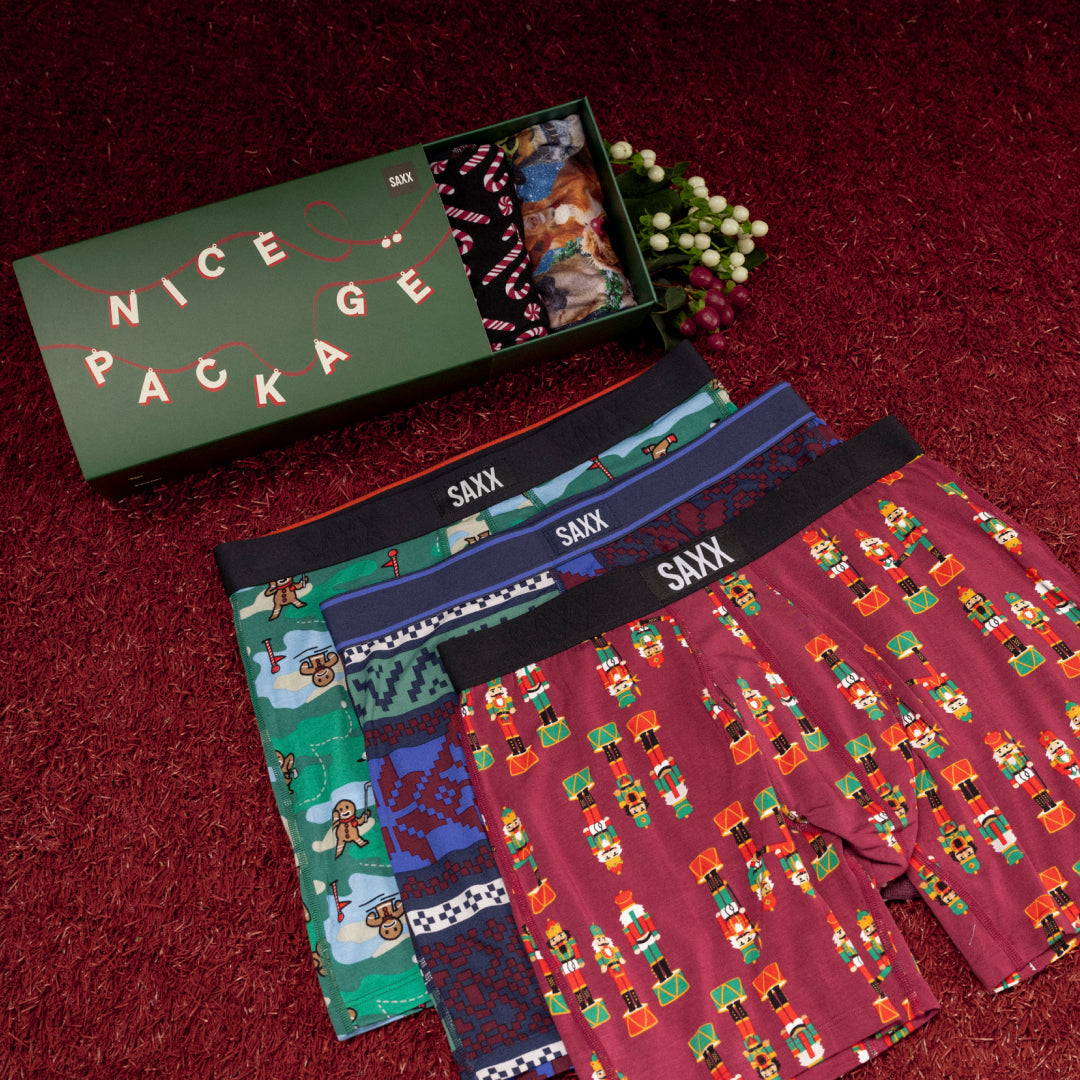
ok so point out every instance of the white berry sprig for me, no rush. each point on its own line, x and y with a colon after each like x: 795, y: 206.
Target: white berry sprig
x: 685, y: 231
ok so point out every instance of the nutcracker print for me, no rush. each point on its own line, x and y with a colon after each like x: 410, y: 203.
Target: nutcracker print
x: 788, y: 756
x: 533, y: 687
x: 954, y: 838
x: 896, y: 736
x: 758, y: 1051
x: 676, y: 633
x: 481, y: 752
x: 813, y: 737
x: 737, y: 588
x: 564, y: 948
x: 768, y: 805
x: 862, y: 748
x: 725, y: 618
x: 898, y: 1031
x: 501, y: 709
x: 640, y: 931
x: 733, y: 821
x: 646, y: 639
x: 743, y: 744
x: 1044, y: 913
x: 825, y: 859
x: 629, y: 792
x: 853, y: 686
x: 921, y: 734
x: 911, y: 533
x: 942, y: 690
x: 826, y: 552
x: 1003, y: 534
x: 618, y: 681
x: 990, y: 822
x: 1017, y: 768
x: 851, y: 959
x: 666, y: 775
x: 1024, y: 659
x: 994, y: 527
x: 851, y: 788
x: 1034, y: 618
x: 1055, y: 883
x: 553, y: 998
x: 638, y: 1017
x: 1062, y: 604
x: 918, y: 598
x: 1062, y: 758
x: 521, y: 855
x: 1072, y: 711
x: 742, y: 934
x: 936, y: 889
x: 871, y: 939
x: 598, y: 1072
x: 705, y: 1046
x: 599, y: 832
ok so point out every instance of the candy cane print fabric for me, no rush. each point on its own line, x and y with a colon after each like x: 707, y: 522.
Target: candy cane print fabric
x: 485, y: 216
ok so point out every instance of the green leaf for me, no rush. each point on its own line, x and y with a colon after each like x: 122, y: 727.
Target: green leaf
x: 674, y: 298
x: 667, y: 200
x: 671, y: 258
x: 755, y: 258
x: 669, y: 340
x: 633, y: 186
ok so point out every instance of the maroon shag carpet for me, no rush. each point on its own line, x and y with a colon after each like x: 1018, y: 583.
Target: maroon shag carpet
x: 918, y: 164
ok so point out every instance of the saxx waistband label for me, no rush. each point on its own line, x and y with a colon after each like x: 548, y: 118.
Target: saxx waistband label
x: 704, y: 561
x: 477, y: 488
x: 567, y: 533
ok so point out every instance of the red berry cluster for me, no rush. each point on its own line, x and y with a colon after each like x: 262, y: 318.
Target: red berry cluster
x: 712, y: 308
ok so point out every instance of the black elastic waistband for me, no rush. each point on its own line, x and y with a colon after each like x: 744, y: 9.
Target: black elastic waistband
x: 422, y: 505
x: 631, y: 592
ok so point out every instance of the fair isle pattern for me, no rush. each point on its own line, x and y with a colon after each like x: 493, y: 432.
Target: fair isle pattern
x: 516, y: 1066
x: 464, y: 906
x: 425, y: 628
x: 423, y: 680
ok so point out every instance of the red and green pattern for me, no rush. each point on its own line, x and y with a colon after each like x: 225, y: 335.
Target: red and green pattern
x: 742, y: 935
x: 666, y: 775
x: 638, y: 1017
x: 599, y: 832
x: 644, y: 939
x: 521, y: 854
x: 501, y: 710
x: 628, y: 791
x: 533, y: 687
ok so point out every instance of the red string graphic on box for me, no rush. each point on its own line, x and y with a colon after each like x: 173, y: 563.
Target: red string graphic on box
x: 386, y: 241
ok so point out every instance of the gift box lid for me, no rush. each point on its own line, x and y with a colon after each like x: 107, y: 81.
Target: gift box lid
x: 219, y: 331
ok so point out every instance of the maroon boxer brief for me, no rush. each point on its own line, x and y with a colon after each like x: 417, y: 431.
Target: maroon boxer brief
x: 873, y: 622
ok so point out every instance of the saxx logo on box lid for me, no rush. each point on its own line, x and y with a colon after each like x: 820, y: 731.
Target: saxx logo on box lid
x: 189, y: 329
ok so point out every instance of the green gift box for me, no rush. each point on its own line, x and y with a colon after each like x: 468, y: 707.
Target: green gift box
x: 219, y: 332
